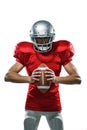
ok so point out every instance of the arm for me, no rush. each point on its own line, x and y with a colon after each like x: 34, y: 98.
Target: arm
x: 13, y: 74
x: 73, y: 76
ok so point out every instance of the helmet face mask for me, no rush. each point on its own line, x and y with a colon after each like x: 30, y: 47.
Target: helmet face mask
x: 42, y: 34
x: 42, y: 44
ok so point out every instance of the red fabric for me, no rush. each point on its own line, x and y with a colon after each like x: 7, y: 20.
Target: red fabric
x: 61, y: 54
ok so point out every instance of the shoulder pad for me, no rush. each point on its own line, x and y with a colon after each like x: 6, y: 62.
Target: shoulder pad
x: 64, y: 45
x: 24, y: 47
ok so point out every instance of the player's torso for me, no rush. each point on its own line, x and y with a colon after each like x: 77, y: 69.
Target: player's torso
x: 50, y: 101
x: 52, y: 59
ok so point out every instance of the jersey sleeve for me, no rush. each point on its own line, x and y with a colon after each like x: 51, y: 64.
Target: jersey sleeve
x: 68, y: 53
x: 21, y: 54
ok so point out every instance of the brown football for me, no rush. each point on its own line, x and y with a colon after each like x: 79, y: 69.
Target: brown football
x: 43, y: 85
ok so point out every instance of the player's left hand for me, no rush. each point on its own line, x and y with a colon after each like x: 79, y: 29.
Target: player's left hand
x: 50, y: 75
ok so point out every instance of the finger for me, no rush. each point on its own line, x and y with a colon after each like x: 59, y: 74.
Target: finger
x: 35, y: 76
x: 50, y: 79
x: 36, y: 79
x: 49, y: 76
x: 49, y: 72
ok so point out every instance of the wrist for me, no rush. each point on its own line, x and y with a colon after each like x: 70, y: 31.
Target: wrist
x: 56, y: 79
x: 29, y: 79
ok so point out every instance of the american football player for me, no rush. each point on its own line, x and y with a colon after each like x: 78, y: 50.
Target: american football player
x: 55, y: 54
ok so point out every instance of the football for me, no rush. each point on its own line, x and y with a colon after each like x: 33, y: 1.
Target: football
x: 43, y: 84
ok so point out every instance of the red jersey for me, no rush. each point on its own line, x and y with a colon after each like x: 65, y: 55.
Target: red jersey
x: 61, y: 54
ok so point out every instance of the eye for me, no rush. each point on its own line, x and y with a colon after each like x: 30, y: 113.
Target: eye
x: 38, y: 40
x: 42, y: 40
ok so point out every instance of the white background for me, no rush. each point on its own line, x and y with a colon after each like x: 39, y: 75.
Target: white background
x: 69, y: 18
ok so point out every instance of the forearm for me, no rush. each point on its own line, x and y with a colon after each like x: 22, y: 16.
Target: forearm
x: 71, y: 79
x: 16, y: 78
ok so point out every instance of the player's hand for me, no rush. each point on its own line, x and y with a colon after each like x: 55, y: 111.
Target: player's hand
x: 35, y: 75
x: 50, y: 75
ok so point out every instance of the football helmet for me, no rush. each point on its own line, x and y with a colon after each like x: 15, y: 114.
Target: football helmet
x: 42, y: 34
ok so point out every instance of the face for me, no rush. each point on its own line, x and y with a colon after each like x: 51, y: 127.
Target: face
x: 43, y: 44
x: 42, y: 40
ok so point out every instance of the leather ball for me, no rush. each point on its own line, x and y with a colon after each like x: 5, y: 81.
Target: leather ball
x: 43, y: 84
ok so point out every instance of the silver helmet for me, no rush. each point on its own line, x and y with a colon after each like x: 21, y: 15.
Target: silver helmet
x: 42, y: 29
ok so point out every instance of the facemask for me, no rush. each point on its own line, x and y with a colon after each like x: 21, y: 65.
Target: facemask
x: 43, y: 48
